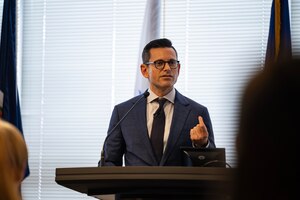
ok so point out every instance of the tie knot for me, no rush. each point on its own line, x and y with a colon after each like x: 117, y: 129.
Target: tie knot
x: 161, y: 102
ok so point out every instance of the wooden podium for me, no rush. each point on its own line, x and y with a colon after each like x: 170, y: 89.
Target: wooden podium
x: 209, y: 183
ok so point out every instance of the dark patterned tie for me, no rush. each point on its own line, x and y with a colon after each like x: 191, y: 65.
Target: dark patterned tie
x: 158, y: 128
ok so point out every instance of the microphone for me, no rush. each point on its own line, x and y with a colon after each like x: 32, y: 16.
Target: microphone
x: 145, y: 95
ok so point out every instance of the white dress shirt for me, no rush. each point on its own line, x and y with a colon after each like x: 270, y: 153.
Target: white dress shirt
x: 152, y: 106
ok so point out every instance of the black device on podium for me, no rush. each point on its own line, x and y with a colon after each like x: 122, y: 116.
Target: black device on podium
x: 204, y: 157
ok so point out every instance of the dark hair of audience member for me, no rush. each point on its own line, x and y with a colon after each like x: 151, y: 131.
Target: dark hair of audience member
x: 267, y: 140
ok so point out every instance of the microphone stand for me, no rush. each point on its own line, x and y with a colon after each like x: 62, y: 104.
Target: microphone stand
x: 101, y: 162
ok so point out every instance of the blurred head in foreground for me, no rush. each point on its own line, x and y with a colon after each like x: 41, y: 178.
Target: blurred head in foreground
x: 13, y: 160
x: 267, y: 141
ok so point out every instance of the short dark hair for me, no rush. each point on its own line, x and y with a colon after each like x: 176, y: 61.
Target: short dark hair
x: 157, y: 43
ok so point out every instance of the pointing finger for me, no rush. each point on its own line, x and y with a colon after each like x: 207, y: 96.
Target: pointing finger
x: 200, y: 119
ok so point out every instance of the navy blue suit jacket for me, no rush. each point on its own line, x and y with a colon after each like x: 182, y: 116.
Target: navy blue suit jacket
x: 131, y: 137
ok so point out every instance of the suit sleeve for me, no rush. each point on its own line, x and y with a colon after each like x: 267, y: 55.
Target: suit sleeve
x: 114, y: 143
x: 207, y: 121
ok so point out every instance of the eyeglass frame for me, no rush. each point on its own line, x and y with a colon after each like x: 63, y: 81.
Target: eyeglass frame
x: 163, y: 66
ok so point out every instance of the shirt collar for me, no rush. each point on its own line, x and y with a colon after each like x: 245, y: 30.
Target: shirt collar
x: 170, y: 96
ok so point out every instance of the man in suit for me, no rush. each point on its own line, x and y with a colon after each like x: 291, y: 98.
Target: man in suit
x: 186, y: 122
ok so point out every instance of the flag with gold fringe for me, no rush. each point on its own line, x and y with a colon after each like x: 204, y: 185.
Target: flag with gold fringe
x: 279, y: 46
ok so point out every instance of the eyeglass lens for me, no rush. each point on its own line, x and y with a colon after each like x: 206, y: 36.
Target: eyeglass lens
x: 161, y: 63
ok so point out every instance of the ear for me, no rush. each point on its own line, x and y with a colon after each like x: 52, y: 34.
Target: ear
x: 178, y: 68
x: 144, y: 70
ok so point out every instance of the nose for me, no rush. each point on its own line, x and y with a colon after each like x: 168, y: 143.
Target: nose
x: 167, y: 68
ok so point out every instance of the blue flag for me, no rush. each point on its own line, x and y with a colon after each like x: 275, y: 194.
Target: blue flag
x: 279, y: 42
x: 9, y: 97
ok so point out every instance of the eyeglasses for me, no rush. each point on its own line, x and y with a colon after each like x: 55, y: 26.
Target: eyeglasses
x: 160, y: 64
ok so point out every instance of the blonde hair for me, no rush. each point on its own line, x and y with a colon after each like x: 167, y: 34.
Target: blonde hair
x: 13, y: 159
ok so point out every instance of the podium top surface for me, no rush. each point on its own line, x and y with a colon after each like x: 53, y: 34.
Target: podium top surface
x: 112, y: 180
x: 161, y: 170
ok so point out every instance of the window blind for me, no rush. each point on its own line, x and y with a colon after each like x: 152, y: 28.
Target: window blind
x: 79, y: 59
x: 295, y: 26
x: 1, y: 13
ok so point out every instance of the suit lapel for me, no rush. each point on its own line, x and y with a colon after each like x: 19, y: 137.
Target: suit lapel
x: 180, y: 115
x: 142, y: 133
